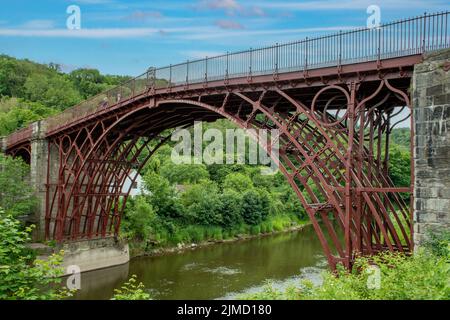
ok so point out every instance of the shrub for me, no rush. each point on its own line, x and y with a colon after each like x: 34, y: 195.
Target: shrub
x: 21, y: 275
x: 423, y: 276
x: 131, y: 290
x: 184, y: 173
x: 438, y: 243
x: 231, y: 209
x: 238, y: 182
x: 139, y: 220
x: 255, y: 207
x: 202, y: 204
x: 16, y: 194
x: 162, y: 197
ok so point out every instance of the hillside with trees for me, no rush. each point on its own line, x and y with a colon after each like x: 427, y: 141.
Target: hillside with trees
x: 31, y: 91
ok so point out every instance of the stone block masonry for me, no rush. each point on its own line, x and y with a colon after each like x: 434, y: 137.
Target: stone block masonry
x: 431, y: 105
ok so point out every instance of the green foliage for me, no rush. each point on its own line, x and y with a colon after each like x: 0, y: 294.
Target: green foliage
x: 231, y: 209
x: 16, y: 195
x: 139, y: 219
x: 131, y: 290
x: 423, y: 276
x: 163, y: 195
x: 30, y: 91
x: 400, y: 166
x: 238, y: 182
x: 184, y: 173
x: 401, y: 137
x: 202, y: 204
x: 90, y: 82
x: 12, y: 76
x: 17, y: 113
x: 56, y: 91
x: 438, y: 243
x: 255, y: 206
x: 21, y: 275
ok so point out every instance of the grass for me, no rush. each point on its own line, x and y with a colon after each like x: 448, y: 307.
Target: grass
x: 198, y: 234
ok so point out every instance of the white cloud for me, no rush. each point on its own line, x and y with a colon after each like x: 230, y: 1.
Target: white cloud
x: 231, y: 7
x: 228, y: 5
x: 228, y: 24
x: 351, y: 4
x: 236, y: 34
x: 83, y: 33
x: 99, y: 33
x: 93, y: 1
x: 198, y: 54
x: 144, y: 15
x: 38, y: 24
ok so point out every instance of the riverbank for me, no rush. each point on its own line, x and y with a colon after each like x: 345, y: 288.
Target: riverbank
x: 386, y: 276
x: 286, y: 224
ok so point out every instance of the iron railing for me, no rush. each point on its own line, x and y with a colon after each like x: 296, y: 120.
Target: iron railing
x: 412, y: 36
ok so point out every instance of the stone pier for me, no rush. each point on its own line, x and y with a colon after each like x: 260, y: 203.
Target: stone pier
x: 431, y: 104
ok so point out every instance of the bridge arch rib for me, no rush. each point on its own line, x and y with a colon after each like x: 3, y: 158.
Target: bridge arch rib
x: 331, y: 152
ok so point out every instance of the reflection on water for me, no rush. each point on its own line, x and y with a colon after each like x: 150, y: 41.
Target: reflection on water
x: 217, y: 271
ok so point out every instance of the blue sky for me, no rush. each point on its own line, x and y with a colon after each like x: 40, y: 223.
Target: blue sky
x: 126, y: 37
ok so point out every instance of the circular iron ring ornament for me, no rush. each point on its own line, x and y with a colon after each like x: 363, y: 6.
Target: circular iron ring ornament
x: 313, y: 106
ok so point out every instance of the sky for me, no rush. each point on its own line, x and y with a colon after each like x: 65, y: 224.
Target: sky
x: 127, y: 37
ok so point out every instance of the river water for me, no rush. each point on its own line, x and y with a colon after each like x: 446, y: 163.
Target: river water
x: 219, y: 271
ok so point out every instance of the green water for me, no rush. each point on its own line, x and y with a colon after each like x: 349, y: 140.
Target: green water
x: 217, y: 271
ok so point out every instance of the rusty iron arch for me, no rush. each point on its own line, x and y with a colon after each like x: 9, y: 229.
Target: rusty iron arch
x: 314, y: 157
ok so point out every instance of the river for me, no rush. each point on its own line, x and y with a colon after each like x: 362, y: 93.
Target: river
x: 219, y: 271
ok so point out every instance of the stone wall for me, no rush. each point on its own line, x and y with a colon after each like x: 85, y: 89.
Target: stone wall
x: 431, y: 104
x: 94, y: 254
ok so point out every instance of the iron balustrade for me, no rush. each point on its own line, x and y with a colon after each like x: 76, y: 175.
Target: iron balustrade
x: 412, y: 36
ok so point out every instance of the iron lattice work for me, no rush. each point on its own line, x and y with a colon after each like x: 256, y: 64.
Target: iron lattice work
x: 332, y: 140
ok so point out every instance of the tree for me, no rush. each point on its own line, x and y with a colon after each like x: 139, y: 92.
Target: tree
x: 16, y: 194
x: 12, y: 77
x: 231, y: 209
x: 138, y: 220
x: 21, y: 275
x: 202, y: 204
x: 184, y: 173
x: 16, y: 113
x: 55, y: 91
x: 162, y: 195
x: 88, y: 82
x: 238, y: 182
x: 255, y: 206
x: 399, y: 166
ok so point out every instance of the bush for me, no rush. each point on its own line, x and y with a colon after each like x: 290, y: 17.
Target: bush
x: 184, y: 173
x: 139, y: 220
x: 438, y: 243
x: 423, y: 276
x: 163, y: 195
x: 21, y: 275
x: 255, y: 206
x: 231, y: 209
x: 131, y: 290
x: 16, y: 194
x: 202, y: 204
x: 238, y: 182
